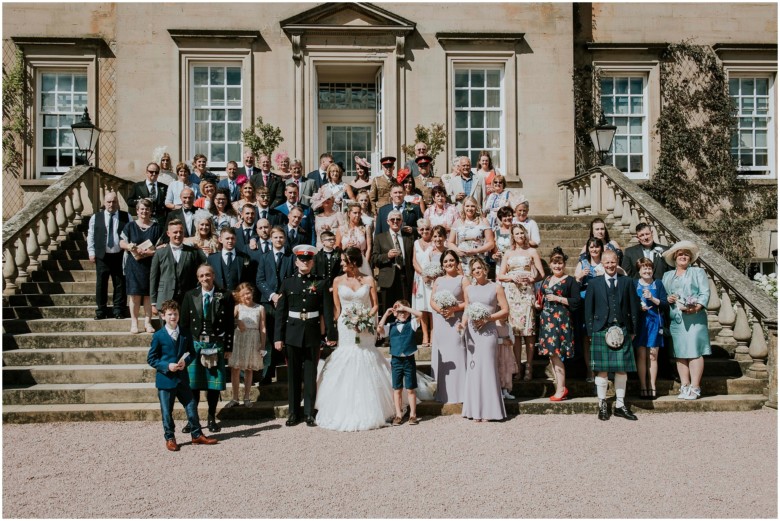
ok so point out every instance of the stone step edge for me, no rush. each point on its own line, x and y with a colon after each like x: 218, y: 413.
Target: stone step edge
x: 278, y: 409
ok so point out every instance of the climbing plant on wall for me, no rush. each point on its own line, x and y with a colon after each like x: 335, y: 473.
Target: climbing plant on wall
x: 696, y: 178
x: 585, y: 79
x: 16, y: 131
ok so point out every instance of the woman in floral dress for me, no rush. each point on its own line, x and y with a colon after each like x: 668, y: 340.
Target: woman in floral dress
x: 520, y: 268
x: 561, y: 296
x: 421, y: 286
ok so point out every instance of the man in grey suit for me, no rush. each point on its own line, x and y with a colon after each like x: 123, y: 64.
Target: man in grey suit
x: 230, y: 183
x: 306, y: 187
x: 174, y: 268
x: 392, y: 255
x: 467, y: 184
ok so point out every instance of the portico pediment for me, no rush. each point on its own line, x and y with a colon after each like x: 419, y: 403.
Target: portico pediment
x: 350, y: 18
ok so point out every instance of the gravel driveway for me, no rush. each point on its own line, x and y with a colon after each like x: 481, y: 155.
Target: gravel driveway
x: 533, y: 466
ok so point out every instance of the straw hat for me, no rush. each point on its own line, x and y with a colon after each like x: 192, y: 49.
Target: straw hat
x: 681, y: 245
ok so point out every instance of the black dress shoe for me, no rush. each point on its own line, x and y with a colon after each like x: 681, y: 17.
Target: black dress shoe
x: 624, y: 412
x: 292, y: 420
x: 118, y: 314
x: 186, y: 429
x: 99, y: 315
x: 213, y: 427
x: 310, y: 421
x: 603, y: 411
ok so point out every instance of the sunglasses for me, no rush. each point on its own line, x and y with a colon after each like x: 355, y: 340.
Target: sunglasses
x: 153, y: 172
x: 394, y: 220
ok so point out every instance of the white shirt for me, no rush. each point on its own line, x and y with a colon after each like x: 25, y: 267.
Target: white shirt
x: 176, y: 250
x: 224, y: 255
x: 649, y: 253
x: 607, y: 278
x: 149, y: 186
x: 172, y: 331
x: 113, y: 230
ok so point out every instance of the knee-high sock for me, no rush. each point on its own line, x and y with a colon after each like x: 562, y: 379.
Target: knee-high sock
x: 601, y: 387
x: 620, y: 388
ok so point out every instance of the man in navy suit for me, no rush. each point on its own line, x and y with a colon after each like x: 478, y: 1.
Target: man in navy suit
x: 320, y: 176
x: 249, y: 169
x: 307, y: 219
x: 245, y: 231
x: 167, y: 355
x: 296, y: 233
x: 231, y: 267
x: 150, y: 189
x: 230, y: 183
x: 612, y: 305
x: 411, y: 213
x: 274, y: 266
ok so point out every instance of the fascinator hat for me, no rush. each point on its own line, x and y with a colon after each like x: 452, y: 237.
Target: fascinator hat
x: 320, y: 197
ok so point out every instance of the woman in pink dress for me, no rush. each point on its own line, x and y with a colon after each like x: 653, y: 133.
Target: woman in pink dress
x: 441, y: 213
x: 327, y: 218
x: 354, y: 233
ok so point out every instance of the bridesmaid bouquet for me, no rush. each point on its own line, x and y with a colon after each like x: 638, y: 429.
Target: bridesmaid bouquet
x: 432, y: 271
x: 358, y: 318
x: 445, y: 299
x: 477, y: 311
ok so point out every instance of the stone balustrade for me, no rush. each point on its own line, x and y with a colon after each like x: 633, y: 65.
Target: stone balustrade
x: 39, y: 228
x: 742, y: 318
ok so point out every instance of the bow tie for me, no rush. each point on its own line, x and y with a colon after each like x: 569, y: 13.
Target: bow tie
x: 187, y: 210
x: 175, y: 248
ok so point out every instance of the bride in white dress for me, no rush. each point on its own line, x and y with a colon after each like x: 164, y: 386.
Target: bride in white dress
x: 354, y: 391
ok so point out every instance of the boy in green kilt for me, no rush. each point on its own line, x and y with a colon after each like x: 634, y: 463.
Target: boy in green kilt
x: 612, y: 319
x: 208, y: 316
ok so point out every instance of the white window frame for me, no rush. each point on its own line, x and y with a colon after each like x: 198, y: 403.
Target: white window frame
x: 37, y: 64
x: 771, y: 74
x: 191, y: 59
x: 487, y: 64
x: 632, y: 71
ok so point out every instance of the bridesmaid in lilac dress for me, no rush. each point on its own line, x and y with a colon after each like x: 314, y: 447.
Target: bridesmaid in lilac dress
x: 482, y: 399
x: 448, y: 356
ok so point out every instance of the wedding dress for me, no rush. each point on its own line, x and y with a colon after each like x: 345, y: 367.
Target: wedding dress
x: 354, y: 390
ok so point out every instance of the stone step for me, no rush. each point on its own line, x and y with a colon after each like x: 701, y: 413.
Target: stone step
x: 143, y: 392
x: 278, y: 409
x: 59, y: 341
x: 75, y: 374
x: 48, y: 288
x: 52, y: 265
x: 65, y: 299
x: 562, y: 219
x: 84, y: 356
x: 64, y: 276
x: 54, y: 312
x: 71, y: 325
x: 58, y: 255
x: 74, y: 242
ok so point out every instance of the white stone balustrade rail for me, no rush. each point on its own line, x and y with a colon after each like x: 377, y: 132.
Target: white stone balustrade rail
x: 742, y: 318
x: 42, y: 225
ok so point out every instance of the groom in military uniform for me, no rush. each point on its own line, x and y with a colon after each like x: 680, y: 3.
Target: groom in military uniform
x: 300, y: 326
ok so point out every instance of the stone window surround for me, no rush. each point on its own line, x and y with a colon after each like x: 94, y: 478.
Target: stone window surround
x: 57, y: 54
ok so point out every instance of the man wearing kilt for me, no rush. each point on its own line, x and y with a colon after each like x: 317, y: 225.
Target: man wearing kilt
x: 208, y: 316
x: 611, y: 308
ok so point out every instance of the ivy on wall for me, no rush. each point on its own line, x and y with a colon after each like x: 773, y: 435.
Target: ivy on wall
x: 585, y: 79
x: 16, y: 130
x: 696, y: 178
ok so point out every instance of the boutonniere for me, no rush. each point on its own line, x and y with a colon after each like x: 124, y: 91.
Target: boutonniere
x: 658, y: 249
x: 217, y: 295
x: 313, y: 287
x: 246, y: 261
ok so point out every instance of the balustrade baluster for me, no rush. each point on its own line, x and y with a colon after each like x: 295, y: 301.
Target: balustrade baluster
x: 586, y: 202
x: 610, y: 200
x: 33, y: 248
x: 727, y: 317
x: 62, y: 222
x: 22, y: 260
x: 742, y: 334
x: 52, y: 228
x: 10, y: 271
x: 618, y: 211
x: 70, y: 213
x: 625, y: 218
x: 713, y: 307
x: 758, y: 352
x: 78, y: 205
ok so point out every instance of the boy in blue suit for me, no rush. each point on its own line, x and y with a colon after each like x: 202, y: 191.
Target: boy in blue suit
x: 171, y: 352
x: 402, y: 349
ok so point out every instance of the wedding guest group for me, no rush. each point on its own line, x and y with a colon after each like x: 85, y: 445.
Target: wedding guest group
x: 268, y: 267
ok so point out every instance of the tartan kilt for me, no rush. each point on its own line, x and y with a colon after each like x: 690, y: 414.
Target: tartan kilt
x: 602, y: 358
x: 204, y: 378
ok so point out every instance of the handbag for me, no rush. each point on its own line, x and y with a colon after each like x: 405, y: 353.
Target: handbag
x: 614, y: 338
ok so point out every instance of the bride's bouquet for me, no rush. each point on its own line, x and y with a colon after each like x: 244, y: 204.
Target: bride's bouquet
x: 445, y: 299
x: 477, y: 311
x: 432, y: 271
x: 358, y: 318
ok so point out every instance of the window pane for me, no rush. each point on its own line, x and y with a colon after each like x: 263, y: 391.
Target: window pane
x: 234, y: 132
x: 493, y: 119
x: 636, y: 85
x: 64, y: 102
x: 621, y: 163
x: 217, y: 132
x: 747, y: 106
x: 461, y: 139
x: 461, y: 119
x: 622, y: 125
x: 50, y: 157
x: 734, y: 86
x: 201, y: 96
x: 636, y: 105
x: 234, y: 75
x: 477, y: 139
x: 234, y: 152
x: 747, y: 86
x: 49, y: 138
x: 64, y: 82
x: 67, y: 121
x: 620, y: 145
x: 477, y: 119
x: 762, y: 86
x: 79, y: 101
x: 80, y: 82
x: 761, y: 141
x: 217, y: 96
x: 218, y: 115
x: 621, y: 85
x: 234, y: 96
x: 201, y: 76
x: 48, y: 102
x: 461, y: 78
x: 746, y: 159
x: 477, y: 78
x: 762, y: 159
x: 217, y: 76
x: 66, y: 158
x: 635, y: 125
x: 762, y: 105
x: 201, y: 115
x: 234, y: 115
x: 477, y: 98
x: 217, y: 153
x: 607, y: 106
x: 201, y: 131
x: 636, y: 144
x: 607, y: 86
x: 635, y: 163
x: 621, y: 103
x: 50, y: 121
x: 66, y: 138
x: 760, y: 122
x: 493, y: 139
x: 48, y: 82
x: 493, y: 78
x: 461, y: 98
x: 493, y: 98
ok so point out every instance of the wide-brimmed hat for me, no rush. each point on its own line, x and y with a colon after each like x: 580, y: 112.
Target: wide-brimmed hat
x: 681, y: 245
x: 323, y: 194
x: 362, y: 162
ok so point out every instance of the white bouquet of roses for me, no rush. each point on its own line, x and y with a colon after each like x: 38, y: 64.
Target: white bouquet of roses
x: 432, y: 271
x: 358, y: 318
x: 445, y: 299
x: 767, y: 283
x: 477, y: 311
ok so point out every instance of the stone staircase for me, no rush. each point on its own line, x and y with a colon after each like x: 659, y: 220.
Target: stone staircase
x: 61, y: 365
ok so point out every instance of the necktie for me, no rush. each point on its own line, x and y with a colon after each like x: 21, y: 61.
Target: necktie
x: 229, y: 258
x: 266, y: 246
x: 329, y: 254
x: 175, y: 335
x: 397, y: 208
x: 246, y: 235
x: 110, y: 242
x: 264, y: 214
x: 206, y: 304
x: 265, y: 179
x: 153, y: 192
x: 278, y: 257
x: 611, y: 283
x: 397, y: 246
x: 292, y: 235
